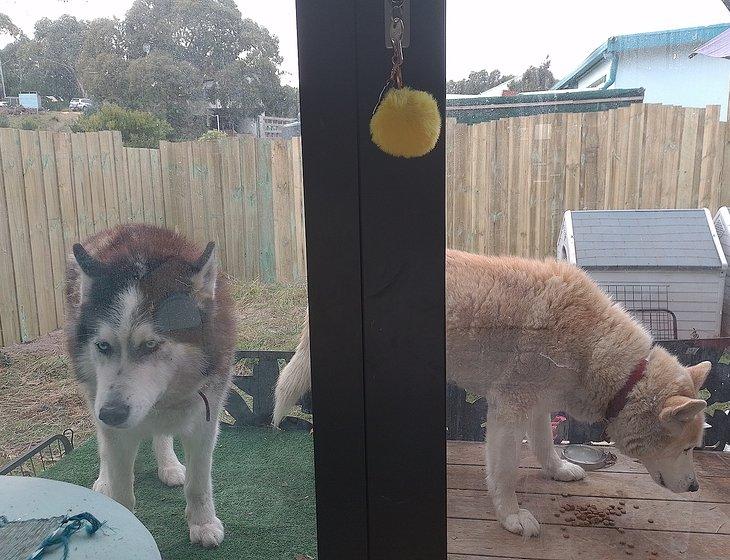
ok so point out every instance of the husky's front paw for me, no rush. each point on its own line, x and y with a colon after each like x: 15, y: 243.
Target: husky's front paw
x: 172, y: 475
x: 522, y: 523
x: 208, y: 535
x: 103, y: 486
x: 567, y: 472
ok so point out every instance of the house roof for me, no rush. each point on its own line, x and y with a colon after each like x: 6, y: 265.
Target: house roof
x: 645, y: 239
x: 719, y: 47
x: 636, y: 41
x: 476, y: 109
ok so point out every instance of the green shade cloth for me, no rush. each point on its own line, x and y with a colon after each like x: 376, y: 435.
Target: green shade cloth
x: 263, y: 482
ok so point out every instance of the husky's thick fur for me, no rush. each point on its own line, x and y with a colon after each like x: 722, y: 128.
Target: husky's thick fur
x: 150, y: 332
x: 539, y: 336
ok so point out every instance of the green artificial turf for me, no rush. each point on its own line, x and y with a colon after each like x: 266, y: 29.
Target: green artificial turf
x: 263, y: 482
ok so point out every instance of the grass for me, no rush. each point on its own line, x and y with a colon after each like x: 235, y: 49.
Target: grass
x: 39, y: 397
x: 263, y: 482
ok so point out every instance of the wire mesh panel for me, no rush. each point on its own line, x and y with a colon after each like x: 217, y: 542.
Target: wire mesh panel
x: 42, y: 456
x: 649, y: 304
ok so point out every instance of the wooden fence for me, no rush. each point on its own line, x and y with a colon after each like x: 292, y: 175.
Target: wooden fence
x: 59, y: 188
x: 508, y: 183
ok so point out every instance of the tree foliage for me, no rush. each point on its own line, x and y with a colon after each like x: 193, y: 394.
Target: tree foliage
x: 477, y: 82
x: 535, y: 78
x: 139, y: 129
x: 168, y: 57
x: 8, y: 27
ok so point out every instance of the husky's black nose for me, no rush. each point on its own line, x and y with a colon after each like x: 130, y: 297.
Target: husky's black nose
x: 114, y: 413
x: 694, y: 486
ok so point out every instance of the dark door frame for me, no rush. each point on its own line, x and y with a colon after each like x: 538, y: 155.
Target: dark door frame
x: 375, y: 230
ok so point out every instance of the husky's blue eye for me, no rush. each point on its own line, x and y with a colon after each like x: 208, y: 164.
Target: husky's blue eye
x: 103, y: 347
x: 151, y: 345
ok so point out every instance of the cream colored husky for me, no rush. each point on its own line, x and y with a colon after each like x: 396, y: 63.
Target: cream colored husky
x: 539, y: 336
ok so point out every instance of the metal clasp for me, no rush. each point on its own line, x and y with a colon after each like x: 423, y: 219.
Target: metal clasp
x: 397, y: 22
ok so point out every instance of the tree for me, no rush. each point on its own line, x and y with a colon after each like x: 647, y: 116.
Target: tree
x: 477, y: 82
x: 7, y: 27
x: 209, y: 34
x: 169, y: 88
x: 538, y: 78
x: 105, y: 77
x: 139, y: 129
x: 102, y: 36
x: 253, y: 86
x: 58, y: 44
x: 166, y: 57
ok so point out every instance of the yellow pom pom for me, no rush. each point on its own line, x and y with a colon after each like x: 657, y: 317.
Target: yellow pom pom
x: 407, y: 123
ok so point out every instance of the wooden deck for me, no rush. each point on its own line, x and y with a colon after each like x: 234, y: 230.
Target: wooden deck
x: 692, y: 526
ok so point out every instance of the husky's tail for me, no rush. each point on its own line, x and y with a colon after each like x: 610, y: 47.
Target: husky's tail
x: 295, y: 379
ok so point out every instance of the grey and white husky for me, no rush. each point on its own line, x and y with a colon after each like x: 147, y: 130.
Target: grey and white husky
x: 150, y: 332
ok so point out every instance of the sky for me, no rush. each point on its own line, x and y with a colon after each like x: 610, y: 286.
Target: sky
x: 509, y: 36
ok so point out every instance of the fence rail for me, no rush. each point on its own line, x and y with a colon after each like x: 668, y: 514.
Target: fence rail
x: 508, y: 183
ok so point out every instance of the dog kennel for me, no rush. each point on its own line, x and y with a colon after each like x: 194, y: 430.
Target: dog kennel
x: 665, y: 266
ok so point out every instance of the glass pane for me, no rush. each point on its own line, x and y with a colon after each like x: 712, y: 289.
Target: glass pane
x: 163, y: 137
x: 582, y: 179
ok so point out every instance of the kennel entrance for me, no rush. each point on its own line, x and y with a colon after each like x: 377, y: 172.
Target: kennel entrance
x: 649, y: 304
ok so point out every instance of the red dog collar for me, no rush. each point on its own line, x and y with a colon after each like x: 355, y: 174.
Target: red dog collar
x: 618, y: 402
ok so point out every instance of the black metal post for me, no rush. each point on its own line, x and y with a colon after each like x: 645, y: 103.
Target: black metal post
x: 375, y: 261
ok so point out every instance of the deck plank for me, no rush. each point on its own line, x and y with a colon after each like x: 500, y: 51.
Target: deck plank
x: 597, y: 483
x: 480, y: 538
x: 694, y: 517
x: 707, y: 463
x: 479, y: 557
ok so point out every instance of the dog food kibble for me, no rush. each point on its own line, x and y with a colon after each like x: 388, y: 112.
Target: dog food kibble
x: 650, y: 520
x: 631, y: 545
x: 552, y: 499
x: 621, y: 503
x: 566, y: 536
x: 654, y: 553
x: 562, y: 510
x: 636, y: 506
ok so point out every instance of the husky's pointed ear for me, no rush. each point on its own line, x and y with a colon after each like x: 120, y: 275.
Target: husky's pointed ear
x: 88, y: 267
x: 93, y: 268
x: 699, y: 373
x: 679, y: 409
x: 205, y: 272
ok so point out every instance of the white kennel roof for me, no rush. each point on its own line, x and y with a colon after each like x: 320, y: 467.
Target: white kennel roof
x: 644, y: 239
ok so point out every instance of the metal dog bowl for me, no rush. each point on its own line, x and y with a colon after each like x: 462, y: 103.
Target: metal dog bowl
x: 590, y: 458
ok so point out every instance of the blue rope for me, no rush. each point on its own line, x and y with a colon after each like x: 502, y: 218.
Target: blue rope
x: 61, y: 536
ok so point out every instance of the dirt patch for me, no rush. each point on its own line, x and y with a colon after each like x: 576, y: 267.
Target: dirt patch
x: 39, y: 396
x: 55, y: 121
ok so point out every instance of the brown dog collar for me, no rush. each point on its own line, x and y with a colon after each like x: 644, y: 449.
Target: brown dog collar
x: 618, y: 402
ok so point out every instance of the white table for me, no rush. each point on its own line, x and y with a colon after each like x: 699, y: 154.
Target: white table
x: 121, y: 538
